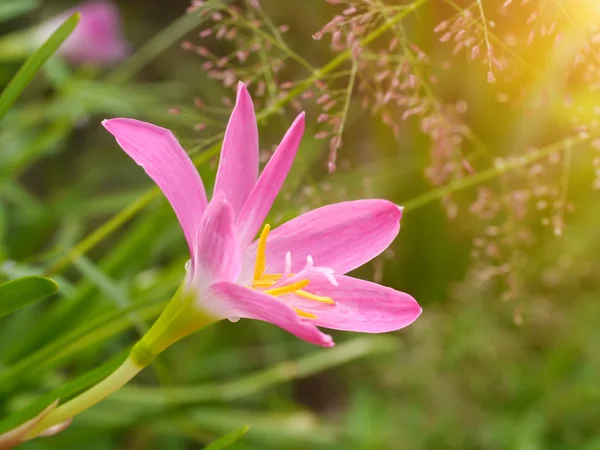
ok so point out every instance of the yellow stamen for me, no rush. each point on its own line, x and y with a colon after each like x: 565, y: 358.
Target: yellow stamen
x: 261, y: 259
x: 267, y: 280
x: 262, y: 283
x: 316, y: 298
x: 289, y: 289
x: 304, y: 314
x: 271, y: 276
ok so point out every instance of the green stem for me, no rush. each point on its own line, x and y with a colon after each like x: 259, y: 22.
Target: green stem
x: 89, y: 398
x: 180, y: 318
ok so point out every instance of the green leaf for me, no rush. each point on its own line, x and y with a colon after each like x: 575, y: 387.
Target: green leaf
x: 228, y: 439
x: 9, y: 9
x: 34, y: 63
x: 17, y: 293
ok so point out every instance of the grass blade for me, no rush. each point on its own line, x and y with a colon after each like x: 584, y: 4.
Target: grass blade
x: 227, y: 440
x: 17, y: 293
x: 34, y: 63
x: 315, y: 362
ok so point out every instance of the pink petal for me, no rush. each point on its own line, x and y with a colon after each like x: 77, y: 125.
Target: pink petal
x: 342, y: 236
x: 238, y: 167
x: 266, y: 189
x: 244, y: 302
x: 163, y: 159
x: 98, y: 38
x: 218, y: 253
x: 360, y: 306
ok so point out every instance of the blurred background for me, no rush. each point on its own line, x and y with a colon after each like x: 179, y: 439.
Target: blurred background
x: 480, y: 117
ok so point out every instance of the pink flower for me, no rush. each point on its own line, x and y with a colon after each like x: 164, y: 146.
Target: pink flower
x: 97, y: 39
x: 292, y: 276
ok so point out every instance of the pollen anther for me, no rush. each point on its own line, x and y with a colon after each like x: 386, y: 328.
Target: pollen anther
x: 262, y: 283
x: 261, y: 259
x: 289, y: 288
x: 275, y: 283
x: 305, y: 314
x: 316, y: 298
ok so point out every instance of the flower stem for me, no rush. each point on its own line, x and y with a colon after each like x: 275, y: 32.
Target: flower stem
x: 180, y: 318
x: 89, y: 398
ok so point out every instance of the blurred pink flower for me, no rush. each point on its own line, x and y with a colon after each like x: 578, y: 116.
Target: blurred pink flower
x: 98, y: 38
x: 292, y: 276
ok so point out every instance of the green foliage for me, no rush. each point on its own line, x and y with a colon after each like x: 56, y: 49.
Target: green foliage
x: 34, y: 63
x: 17, y: 293
x: 9, y: 9
x: 228, y: 440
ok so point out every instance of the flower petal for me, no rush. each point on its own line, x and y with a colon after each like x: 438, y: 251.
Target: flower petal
x: 241, y: 301
x: 97, y: 39
x: 218, y: 253
x: 342, y: 236
x: 271, y: 179
x: 238, y: 167
x: 359, y: 305
x: 165, y: 161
